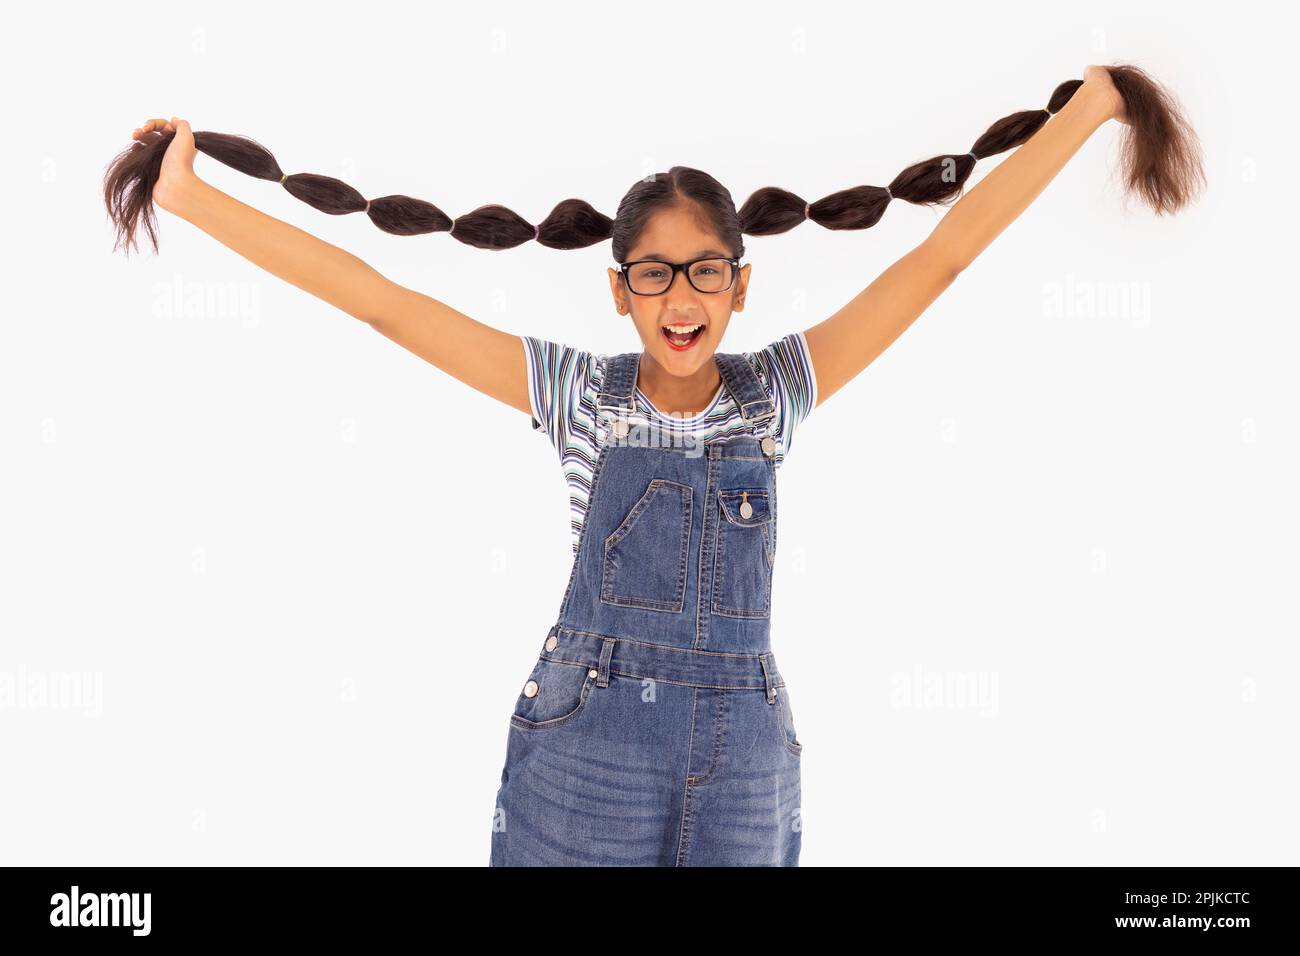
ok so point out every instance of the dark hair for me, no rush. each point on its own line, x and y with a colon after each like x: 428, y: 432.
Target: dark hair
x: 1160, y: 161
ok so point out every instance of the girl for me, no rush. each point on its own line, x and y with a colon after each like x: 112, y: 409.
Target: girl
x: 655, y: 727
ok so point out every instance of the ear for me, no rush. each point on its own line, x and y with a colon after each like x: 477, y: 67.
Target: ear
x: 742, y: 286
x: 617, y: 290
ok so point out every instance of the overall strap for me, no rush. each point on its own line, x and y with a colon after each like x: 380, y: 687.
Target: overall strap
x: 618, y: 383
x: 746, y: 389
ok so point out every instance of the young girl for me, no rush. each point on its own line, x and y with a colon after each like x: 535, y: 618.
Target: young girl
x: 655, y: 727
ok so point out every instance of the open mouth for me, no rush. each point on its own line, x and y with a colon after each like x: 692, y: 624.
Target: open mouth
x: 682, y: 337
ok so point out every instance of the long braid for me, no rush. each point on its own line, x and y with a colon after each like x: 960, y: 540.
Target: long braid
x: 931, y: 182
x: 1160, y: 160
x: 130, y: 180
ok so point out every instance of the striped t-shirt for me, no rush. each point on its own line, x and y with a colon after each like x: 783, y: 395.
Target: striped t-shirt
x: 563, y: 383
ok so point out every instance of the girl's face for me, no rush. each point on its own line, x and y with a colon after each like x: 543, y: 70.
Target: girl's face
x: 675, y: 235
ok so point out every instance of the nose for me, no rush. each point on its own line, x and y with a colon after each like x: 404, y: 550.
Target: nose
x: 680, y: 290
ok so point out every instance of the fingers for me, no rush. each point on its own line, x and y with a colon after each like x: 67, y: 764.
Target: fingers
x: 159, y: 125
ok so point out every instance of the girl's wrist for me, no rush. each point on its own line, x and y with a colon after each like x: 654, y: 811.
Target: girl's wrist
x: 174, y: 193
x: 1089, y: 105
x: 1100, y: 100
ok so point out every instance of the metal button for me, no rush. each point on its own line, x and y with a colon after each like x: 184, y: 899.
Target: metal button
x: 530, y: 689
x: 593, y: 673
x: 769, y: 446
x: 621, y: 427
x: 551, y: 643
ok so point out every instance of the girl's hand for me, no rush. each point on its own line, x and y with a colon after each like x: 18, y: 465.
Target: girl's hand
x: 178, y: 162
x: 1097, y: 79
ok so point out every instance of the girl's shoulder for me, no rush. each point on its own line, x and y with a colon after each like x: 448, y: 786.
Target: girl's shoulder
x: 561, y: 380
x: 785, y: 367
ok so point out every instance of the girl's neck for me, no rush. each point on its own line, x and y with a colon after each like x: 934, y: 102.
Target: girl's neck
x: 674, y: 395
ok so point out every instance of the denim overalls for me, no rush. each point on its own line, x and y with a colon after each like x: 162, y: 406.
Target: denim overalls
x: 655, y: 729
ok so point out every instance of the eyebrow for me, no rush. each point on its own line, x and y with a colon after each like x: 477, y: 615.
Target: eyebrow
x: 697, y: 255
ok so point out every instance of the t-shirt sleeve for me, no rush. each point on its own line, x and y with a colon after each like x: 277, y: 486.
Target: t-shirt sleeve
x: 787, y: 370
x: 557, y: 376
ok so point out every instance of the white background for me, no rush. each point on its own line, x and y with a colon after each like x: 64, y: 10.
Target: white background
x: 308, y: 572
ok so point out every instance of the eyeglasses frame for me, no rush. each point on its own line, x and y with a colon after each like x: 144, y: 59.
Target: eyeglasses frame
x: 677, y: 267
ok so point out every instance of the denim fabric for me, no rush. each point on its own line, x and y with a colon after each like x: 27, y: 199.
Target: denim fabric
x: 655, y: 728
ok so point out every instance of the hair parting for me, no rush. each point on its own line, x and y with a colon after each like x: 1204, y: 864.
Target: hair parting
x: 1160, y: 160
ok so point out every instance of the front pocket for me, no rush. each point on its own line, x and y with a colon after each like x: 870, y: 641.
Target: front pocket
x: 646, y: 555
x: 559, y: 693
x: 742, y: 566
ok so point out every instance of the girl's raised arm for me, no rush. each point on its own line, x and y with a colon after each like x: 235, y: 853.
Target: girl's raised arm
x: 485, y: 358
x: 844, y: 344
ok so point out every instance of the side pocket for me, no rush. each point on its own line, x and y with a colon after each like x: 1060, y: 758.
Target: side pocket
x: 553, y: 696
x: 786, y: 716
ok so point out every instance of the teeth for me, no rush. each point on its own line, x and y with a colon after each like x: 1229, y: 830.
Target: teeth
x: 683, y: 329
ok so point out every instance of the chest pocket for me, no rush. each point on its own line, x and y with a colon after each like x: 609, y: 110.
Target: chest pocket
x: 742, y: 567
x: 646, y: 555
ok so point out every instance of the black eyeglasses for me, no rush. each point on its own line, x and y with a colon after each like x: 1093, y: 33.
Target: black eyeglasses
x: 655, y: 277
